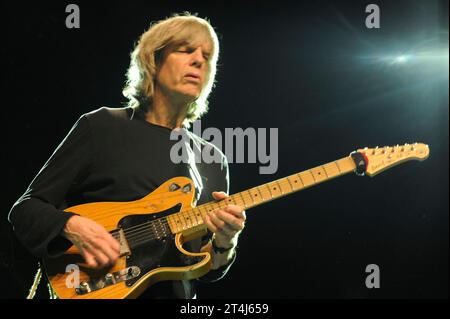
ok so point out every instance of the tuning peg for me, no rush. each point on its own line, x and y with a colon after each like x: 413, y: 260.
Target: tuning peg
x: 375, y: 149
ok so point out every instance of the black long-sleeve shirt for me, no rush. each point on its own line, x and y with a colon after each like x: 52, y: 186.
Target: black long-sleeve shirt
x: 110, y: 154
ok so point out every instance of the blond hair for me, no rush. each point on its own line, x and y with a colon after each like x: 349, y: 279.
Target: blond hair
x: 173, y: 31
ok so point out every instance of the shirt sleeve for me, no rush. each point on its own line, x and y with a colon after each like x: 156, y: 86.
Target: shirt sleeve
x: 217, y: 274
x: 37, y: 217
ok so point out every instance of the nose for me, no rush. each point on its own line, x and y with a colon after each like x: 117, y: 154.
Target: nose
x: 197, y: 57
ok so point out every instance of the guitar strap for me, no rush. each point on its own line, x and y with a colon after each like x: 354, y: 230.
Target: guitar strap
x: 193, y: 167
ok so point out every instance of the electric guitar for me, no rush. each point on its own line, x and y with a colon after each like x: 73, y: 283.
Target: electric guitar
x: 152, y: 230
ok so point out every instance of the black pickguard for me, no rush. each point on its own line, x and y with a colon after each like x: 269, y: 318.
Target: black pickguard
x: 157, y: 252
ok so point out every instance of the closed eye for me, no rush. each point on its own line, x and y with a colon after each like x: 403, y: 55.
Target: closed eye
x: 190, y: 50
x: 186, y: 50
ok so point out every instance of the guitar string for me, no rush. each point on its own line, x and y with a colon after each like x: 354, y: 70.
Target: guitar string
x: 138, y: 228
x: 141, y: 235
x: 141, y: 232
x: 138, y: 234
x: 159, y: 224
x: 188, y: 213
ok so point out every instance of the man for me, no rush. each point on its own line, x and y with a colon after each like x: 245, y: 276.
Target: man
x: 123, y: 154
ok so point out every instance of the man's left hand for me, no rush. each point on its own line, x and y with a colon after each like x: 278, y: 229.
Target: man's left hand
x: 225, y: 223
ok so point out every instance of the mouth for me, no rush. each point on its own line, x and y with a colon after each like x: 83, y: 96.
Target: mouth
x: 193, y: 76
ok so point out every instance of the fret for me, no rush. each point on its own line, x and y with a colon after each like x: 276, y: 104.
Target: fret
x: 279, y: 186
x: 178, y: 222
x: 317, y: 172
x: 310, y: 172
x: 230, y: 199
x: 211, y: 207
x: 199, y: 208
x: 285, y: 187
x: 301, y: 180
x: 296, y: 181
x: 331, y: 170
x: 172, y: 225
x: 275, y: 188
x: 290, y: 184
x: 307, y: 179
x: 268, y: 187
x: 243, y: 200
x: 255, y: 197
x: 260, y: 194
x: 337, y: 165
x: 323, y: 168
x: 183, y: 220
x: 187, y: 220
x: 197, y: 214
x: 251, y: 196
x: 192, y: 219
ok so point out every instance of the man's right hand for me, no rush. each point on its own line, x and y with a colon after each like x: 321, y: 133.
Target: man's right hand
x: 98, y: 247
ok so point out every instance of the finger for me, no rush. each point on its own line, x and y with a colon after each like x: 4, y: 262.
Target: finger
x: 101, y: 258
x: 103, y: 234
x: 114, y: 243
x: 219, y: 195
x: 89, y: 258
x: 237, y: 211
x: 221, y: 225
x: 100, y: 239
x: 110, y: 253
x: 210, y: 224
x: 230, y: 220
x: 112, y: 247
x: 95, y: 248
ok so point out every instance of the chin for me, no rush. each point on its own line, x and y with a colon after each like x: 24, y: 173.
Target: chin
x: 191, y: 96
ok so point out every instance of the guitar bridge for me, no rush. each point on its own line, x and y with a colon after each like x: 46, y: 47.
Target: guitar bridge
x: 108, y: 280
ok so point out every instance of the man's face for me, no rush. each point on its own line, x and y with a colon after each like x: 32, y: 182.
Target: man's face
x: 183, y: 71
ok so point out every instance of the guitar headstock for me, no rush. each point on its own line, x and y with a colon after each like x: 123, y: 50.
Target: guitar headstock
x: 380, y: 159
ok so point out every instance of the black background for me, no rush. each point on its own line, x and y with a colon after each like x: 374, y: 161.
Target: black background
x: 298, y: 67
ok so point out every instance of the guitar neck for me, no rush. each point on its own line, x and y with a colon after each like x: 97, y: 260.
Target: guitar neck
x: 264, y: 193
